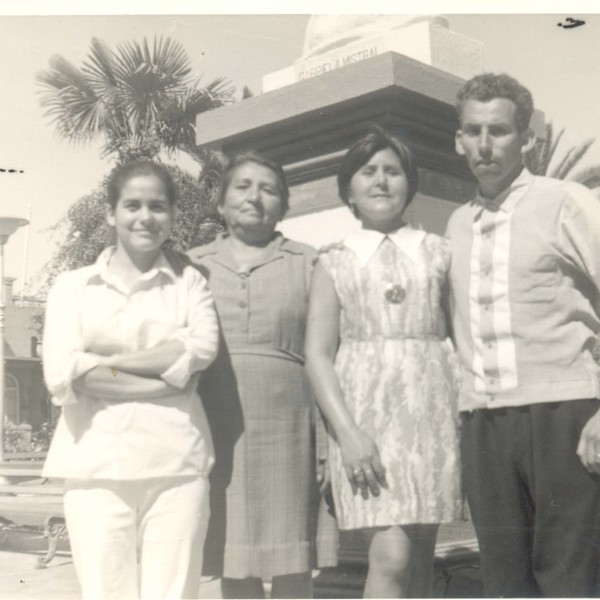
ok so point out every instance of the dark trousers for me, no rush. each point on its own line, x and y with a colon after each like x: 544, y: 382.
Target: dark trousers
x: 535, y: 508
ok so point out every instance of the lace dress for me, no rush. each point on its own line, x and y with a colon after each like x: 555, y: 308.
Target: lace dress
x: 398, y: 374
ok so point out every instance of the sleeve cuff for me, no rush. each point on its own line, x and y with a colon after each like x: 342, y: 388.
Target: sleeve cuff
x: 180, y: 372
x: 65, y: 397
x: 196, y: 356
x: 63, y: 393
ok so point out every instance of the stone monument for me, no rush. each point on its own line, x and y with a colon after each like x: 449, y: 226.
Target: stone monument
x: 399, y: 71
x: 334, y: 41
x: 326, y: 32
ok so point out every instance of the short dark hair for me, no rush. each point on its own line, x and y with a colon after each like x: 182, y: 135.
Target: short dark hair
x: 252, y: 156
x: 487, y: 86
x: 121, y: 174
x: 363, y: 150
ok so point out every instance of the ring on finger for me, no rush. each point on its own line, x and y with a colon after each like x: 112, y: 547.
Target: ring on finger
x: 357, y: 472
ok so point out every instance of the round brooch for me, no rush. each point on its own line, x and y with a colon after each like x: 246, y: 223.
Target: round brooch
x: 394, y: 293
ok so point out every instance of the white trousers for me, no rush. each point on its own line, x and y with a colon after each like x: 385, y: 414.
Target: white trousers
x: 134, y: 539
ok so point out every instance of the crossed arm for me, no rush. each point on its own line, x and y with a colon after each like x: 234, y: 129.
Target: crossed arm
x: 101, y: 369
x: 132, y: 376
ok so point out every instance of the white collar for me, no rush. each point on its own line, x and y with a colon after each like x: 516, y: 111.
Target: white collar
x: 507, y: 199
x: 161, y: 265
x: 364, y: 243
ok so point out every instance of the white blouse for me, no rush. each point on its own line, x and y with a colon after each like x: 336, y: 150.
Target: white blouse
x: 103, y: 438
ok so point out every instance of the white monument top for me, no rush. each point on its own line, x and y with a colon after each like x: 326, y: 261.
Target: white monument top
x: 327, y: 32
x: 335, y: 41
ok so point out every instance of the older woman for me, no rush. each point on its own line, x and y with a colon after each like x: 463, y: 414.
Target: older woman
x: 124, y: 342
x: 257, y: 396
x: 382, y: 370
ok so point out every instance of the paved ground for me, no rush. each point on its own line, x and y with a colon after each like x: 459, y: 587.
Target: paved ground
x: 20, y: 579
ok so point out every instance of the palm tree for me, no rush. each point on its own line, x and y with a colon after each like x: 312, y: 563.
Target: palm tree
x: 140, y: 99
x: 542, y: 161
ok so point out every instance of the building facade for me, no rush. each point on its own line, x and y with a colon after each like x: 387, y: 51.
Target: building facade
x: 26, y: 399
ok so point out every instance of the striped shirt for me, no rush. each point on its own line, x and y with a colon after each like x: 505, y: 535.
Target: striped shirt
x: 525, y: 275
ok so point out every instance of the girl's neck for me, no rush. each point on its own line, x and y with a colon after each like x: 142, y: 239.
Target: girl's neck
x: 129, y: 266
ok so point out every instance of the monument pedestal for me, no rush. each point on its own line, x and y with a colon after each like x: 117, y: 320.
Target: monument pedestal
x: 428, y: 42
x: 309, y: 126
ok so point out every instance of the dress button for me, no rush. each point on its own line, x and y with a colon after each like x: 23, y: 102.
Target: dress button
x: 244, y: 286
x: 243, y: 304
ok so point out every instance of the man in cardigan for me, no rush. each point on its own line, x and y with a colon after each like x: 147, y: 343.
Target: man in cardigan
x: 525, y: 276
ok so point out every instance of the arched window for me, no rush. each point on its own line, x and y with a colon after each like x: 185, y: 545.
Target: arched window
x: 11, y: 399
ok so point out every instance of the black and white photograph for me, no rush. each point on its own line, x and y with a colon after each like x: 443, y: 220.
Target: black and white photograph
x: 299, y: 301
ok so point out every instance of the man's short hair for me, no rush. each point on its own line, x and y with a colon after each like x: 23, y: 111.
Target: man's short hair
x: 487, y: 86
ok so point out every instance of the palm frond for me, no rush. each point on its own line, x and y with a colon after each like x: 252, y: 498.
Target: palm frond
x: 149, y: 76
x: 100, y: 69
x: 178, y: 112
x: 221, y: 87
x: 552, y: 148
x: 572, y: 158
x: 536, y: 159
x: 213, y: 164
x: 548, y: 148
x: 170, y: 59
x: 588, y: 176
x: 70, y: 100
x: 140, y: 97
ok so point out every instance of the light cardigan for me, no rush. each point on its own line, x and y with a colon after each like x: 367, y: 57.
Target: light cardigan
x: 102, y: 438
x: 525, y: 274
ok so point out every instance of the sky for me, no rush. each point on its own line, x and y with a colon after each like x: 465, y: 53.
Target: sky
x: 559, y: 66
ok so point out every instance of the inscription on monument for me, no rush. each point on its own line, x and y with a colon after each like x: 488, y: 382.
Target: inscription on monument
x: 426, y: 40
x: 341, y: 58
